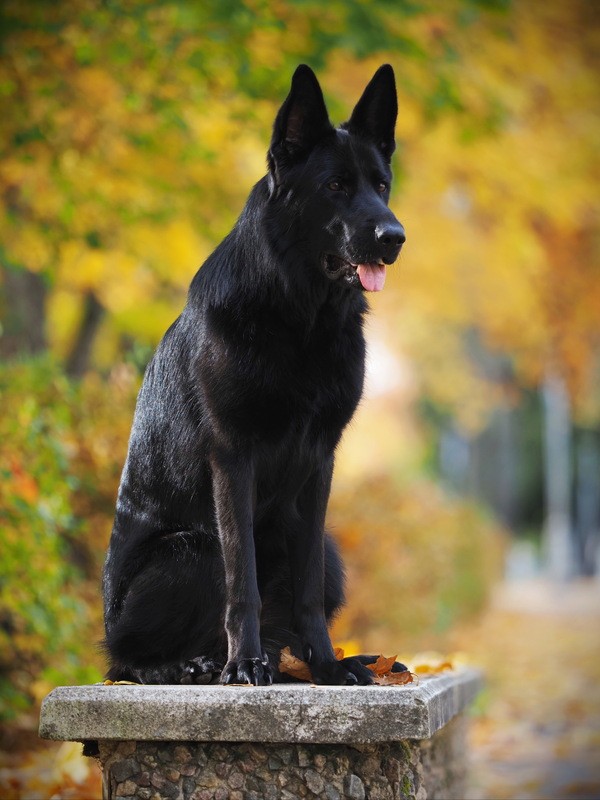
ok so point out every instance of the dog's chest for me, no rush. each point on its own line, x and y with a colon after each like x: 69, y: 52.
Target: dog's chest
x: 318, y: 379
x: 276, y: 379
x: 316, y: 388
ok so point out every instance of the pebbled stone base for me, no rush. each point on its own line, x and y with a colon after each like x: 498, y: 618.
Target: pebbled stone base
x: 429, y: 769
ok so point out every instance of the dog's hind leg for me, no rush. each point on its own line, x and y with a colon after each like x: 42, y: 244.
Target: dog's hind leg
x: 170, y: 625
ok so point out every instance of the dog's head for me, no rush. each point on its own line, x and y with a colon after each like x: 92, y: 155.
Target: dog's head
x: 335, y: 182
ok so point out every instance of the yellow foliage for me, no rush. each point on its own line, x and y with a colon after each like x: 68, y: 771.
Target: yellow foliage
x: 118, y: 195
x: 97, y: 87
x: 54, y: 771
x: 33, y: 246
x: 500, y: 227
x: 416, y: 560
x: 173, y: 249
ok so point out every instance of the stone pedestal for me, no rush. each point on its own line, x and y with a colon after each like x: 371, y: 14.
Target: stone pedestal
x: 256, y: 743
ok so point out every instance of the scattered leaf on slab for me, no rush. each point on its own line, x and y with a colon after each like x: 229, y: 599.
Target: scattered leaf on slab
x: 243, y: 685
x: 383, y: 665
x: 295, y: 667
x: 121, y: 683
x: 382, y: 669
x: 432, y: 668
x: 394, y: 678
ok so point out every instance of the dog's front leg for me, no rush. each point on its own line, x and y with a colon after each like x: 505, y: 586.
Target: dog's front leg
x: 307, y: 566
x: 233, y: 492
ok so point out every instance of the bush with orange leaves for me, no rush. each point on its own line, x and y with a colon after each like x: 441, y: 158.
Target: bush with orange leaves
x: 61, y: 446
x: 418, y: 561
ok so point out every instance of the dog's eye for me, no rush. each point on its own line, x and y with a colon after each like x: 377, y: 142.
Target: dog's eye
x: 382, y: 187
x: 334, y: 186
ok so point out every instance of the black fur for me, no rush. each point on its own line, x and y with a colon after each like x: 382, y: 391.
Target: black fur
x: 219, y: 556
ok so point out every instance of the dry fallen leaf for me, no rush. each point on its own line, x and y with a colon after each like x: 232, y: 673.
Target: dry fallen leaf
x: 383, y: 665
x: 384, y: 675
x: 295, y: 667
x: 382, y: 669
x: 243, y: 685
x: 432, y: 668
x: 120, y: 683
x: 394, y: 678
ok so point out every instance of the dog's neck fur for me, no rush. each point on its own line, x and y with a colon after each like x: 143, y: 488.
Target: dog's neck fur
x: 272, y: 271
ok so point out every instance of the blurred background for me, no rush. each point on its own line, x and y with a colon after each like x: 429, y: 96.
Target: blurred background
x: 467, y: 492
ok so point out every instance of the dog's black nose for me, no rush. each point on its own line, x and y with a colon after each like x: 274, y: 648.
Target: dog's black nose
x: 391, y: 235
x: 390, y: 238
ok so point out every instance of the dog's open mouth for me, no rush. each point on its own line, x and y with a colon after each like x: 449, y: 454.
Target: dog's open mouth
x: 370, y: 276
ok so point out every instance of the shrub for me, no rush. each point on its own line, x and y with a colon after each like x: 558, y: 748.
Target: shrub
x: 418, y: 562
x: 59, y: 464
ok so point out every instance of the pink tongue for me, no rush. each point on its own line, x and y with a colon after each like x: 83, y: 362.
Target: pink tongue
x: 372, y: 276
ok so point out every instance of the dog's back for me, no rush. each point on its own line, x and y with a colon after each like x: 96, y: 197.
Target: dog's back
x: 218, y: 554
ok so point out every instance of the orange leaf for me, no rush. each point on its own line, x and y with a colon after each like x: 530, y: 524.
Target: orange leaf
x: 383, y: 665
x: 432, y: 669
x: 338, y: 653
x: 394, y: 678
x: 290, y: 665
x: 23, y: 484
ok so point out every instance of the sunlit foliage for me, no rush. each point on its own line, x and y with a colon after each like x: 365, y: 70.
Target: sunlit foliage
x: 137, y: 128
x: 60, y: 454
x: 132, y: 135
x: 417, y: 562
x: 503, y: 226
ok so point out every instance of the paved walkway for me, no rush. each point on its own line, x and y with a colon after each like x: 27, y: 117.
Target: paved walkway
x: 537, y: 730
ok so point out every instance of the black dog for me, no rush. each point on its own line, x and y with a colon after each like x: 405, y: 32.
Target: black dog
x: 218, y: 556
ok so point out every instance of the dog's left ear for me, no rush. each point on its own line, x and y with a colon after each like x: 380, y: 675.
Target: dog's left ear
x: 374, y: 116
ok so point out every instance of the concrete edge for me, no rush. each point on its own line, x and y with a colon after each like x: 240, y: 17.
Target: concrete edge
x: 299, y: 713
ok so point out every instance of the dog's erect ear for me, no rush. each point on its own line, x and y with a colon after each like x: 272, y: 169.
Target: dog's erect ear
x: 301, y: 122
x: 374, y: 116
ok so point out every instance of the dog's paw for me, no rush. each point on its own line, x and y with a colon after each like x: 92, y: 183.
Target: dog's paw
x: 255, y: 671
x: 346, y: 672
x: 200, y: 671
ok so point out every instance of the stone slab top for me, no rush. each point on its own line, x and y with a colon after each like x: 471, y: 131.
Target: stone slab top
x: 301, y: 713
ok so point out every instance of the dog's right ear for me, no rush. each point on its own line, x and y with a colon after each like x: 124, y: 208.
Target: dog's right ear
x: 301, y: 122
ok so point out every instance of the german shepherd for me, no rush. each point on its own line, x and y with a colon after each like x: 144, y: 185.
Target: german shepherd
x: 219, y: 555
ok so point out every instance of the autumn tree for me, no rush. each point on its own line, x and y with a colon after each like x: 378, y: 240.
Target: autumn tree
x: 511, y: 268
x: 135, y: 129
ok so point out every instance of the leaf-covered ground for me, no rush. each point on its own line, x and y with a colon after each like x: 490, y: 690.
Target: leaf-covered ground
x: 536, y: 727
x: 536, y: 733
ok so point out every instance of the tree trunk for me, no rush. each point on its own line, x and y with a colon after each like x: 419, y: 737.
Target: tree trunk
x: 23, y: 296
x: 501, y: 466
x: 558, y: 528
x: 78, y: 360
x: 587, y: 501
